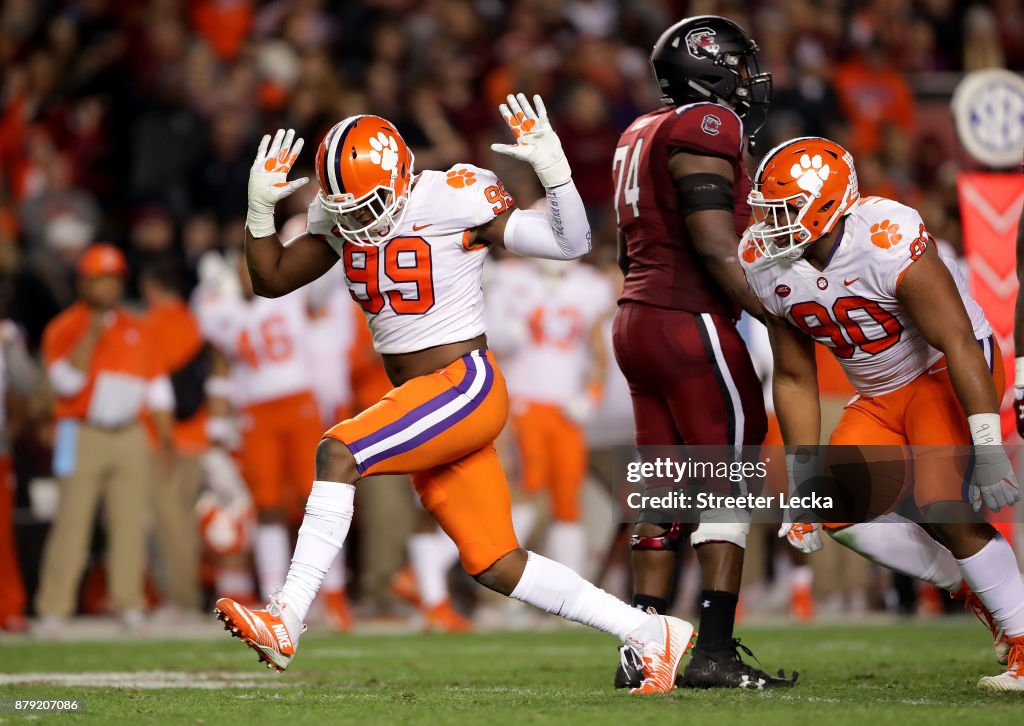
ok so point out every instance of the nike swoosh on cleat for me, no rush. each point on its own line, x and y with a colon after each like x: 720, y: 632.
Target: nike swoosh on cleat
x: 418, y: 227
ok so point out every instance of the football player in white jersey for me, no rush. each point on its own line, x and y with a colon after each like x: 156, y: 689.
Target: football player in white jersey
x: 266, y: 346
x: 413, y: 248
x: 552, y: 312
x: 862, y: 276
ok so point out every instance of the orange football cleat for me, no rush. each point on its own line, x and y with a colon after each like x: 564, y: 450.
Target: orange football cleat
x: 661, y: 657
x: 444, y: 618
x: 262, y: 630
x: 972, y: 603
x: 339, y: 614
x: 404, y: 587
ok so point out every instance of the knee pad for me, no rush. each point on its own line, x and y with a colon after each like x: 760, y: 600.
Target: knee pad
x: 668, y: 541
x: 722, y: 525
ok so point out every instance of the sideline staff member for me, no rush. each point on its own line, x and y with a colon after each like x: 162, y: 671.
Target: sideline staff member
x: 102, y: 363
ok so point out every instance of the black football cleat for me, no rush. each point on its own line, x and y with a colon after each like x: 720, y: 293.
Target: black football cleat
x: 725, y: 669
x: 630, y: 673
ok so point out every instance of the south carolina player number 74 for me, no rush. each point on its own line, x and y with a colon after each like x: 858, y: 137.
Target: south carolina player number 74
x: 631, y: 191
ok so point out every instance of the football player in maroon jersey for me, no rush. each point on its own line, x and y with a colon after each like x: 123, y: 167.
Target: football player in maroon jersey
x: 680, y: 199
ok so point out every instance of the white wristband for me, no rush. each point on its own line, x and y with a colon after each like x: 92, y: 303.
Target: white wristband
x: 985, y: 429
x: 260, y: 221
x: 1018, y: 379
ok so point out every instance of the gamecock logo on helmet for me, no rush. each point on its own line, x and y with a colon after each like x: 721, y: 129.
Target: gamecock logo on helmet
x: 701, y: 39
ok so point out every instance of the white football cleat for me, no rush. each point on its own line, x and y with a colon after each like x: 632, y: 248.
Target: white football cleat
x: 661, y: 657
x: 1013, y: 678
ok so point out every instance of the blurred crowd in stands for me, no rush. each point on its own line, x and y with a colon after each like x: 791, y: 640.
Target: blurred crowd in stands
x: 134, y: 122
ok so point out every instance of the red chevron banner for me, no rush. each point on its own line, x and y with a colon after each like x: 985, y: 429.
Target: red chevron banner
x: 990, y: 206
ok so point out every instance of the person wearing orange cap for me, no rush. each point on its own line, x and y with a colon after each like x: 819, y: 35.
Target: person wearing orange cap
x: 104, y: 367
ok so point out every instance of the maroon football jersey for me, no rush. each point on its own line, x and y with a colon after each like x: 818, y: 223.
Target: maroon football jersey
x: 664, y: 268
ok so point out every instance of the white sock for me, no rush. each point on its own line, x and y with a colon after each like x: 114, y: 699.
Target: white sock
x: 993, y: 575
x: 803, y: 576
x: 555, y: 588
x: 335, y: 579
x: 567, y: 544
x: 324, y: 528
x: 270, y: 550
x: 430, y: 557
x: 902, y: 546
x: 524, y: 517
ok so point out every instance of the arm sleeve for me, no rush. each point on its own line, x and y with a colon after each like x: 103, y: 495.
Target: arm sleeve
x: 561, y: 233
x: 66, y: 380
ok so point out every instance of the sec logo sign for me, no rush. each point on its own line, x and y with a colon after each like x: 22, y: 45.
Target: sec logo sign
x: 988, y: 107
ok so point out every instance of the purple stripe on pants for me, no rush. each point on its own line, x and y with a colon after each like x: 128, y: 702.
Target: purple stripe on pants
x: 455, y: 417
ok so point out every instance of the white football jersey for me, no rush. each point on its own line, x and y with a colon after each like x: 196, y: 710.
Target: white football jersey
x: 422, y: 287
x: 851, y: 305
x: 266, y: 341
x: 555, y: 312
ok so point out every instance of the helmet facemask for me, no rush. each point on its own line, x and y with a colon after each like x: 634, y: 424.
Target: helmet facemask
x: 778, y: 229
x: 370, y: 220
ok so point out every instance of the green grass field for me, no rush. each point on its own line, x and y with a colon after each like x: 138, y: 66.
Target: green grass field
x: 877, y: 674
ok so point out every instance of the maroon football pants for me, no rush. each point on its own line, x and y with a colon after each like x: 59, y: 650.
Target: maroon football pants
x: 690, y: 378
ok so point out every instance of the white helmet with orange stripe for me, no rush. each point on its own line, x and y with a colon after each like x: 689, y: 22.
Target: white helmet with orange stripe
x: 365, y: 170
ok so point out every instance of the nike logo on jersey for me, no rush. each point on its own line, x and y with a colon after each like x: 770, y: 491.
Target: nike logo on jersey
x: 418, y: 227
x: 850, y: 282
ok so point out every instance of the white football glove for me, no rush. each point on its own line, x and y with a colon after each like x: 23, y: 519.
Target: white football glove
x: 268, y: 182
x: 805, y: 537
x: 801, y: 467
x: 994, y: 482
x: 536, y: 142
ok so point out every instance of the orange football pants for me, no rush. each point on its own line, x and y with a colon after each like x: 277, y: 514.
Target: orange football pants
x: 925, y: 413
x: 552, y: 455
x: 278, y: 459
x: 440, y: 428
x: 12, y: 590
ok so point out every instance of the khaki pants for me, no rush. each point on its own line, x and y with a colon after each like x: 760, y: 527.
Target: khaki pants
x: 386, y: 513
x: 177, y: 533
x: 115, y: 466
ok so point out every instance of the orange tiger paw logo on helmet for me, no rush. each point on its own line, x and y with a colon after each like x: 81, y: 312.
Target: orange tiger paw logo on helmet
x: 885, y: 234
x: 460, y: 178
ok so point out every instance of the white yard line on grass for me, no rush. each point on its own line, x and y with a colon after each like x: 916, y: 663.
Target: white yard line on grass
x: 145, y: 679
